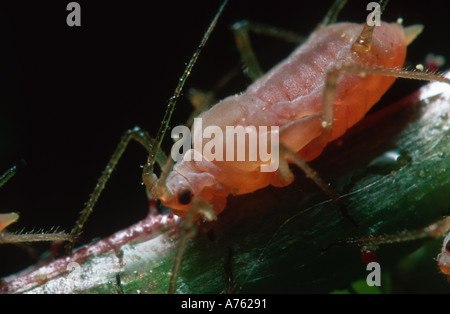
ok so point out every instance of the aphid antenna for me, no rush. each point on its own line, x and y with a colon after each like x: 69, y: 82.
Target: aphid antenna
x: 148, y: 168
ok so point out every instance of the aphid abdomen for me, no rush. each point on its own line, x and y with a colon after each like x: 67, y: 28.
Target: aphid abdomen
x: 295, y: 87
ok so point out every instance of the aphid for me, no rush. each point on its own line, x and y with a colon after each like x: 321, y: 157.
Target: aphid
x: 443, y: 258
x: 314, y: 96
x: 434, y: 230
x: 324, y: 87
x: 9, y: 218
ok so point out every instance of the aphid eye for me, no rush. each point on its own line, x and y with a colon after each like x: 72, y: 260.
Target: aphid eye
x: 447, y: 246
x: 184, y: 197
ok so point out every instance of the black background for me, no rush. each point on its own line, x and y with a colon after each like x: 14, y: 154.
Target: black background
x: 67, y: 94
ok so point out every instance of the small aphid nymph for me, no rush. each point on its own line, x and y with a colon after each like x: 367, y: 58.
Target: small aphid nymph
x: 443, y: 258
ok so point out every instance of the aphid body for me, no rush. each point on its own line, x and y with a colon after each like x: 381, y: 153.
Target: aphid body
x: 291, y: 96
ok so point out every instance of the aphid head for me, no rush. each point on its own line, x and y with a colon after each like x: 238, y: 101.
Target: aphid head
x: 179, y: 194
x: 174, y: 192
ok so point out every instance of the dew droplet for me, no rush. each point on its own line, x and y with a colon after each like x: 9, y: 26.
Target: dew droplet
x: 389, y: 161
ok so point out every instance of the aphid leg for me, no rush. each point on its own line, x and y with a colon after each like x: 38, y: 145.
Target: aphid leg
x: 199, y: 207
x: 332, y: 14
x: 332, y: 77
x: 292, y: 139
x: 139, y: 136
x: 51, y: 236
x: 243, y: 28
x: 435, y: 230
x: 15, y: 238
x: 313, y: 175
x: 241, y: 32
x: 8, y: 219
x: 201, y: 101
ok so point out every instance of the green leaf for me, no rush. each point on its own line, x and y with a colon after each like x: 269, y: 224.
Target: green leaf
x: 277, y: 235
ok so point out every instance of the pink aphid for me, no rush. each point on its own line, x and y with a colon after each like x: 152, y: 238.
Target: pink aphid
x: 323, y: 88
x: 443, y: 258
